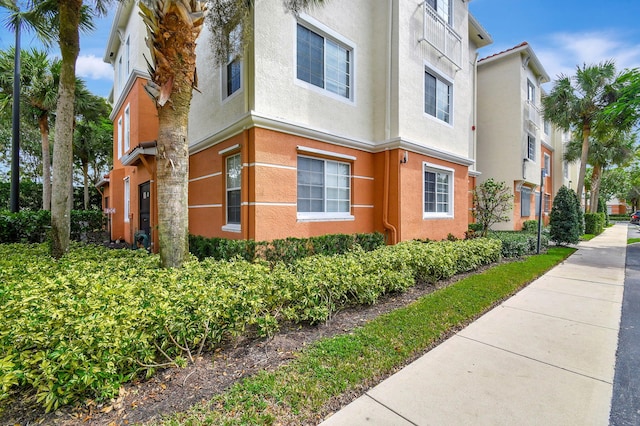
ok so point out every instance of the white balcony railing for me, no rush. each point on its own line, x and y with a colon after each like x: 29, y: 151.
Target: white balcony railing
x: 532, y: 114
x: 439, y: 34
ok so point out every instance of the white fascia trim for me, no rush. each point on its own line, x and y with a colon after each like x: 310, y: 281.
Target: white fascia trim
x: 135, y: 73
x: 273, y: 166
x: 205, y: 206
x: 474, y: 173
x: 231, y: 148
x: 308, y: 150
x: 399, y: 143
x: 131, y: 158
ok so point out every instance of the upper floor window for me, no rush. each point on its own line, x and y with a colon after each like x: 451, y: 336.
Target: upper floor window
x: 547, y: 127
x: 127, y: 129
x: 324, y: 186
x: 127, y: 53
x: 437, y: 96
x: 233, y: 185
x: 119, y: 137
x: 547, y: 164
x: 531, y: 148
x: 232, y: 72
x: 443, y: 8
x: 438, y: 191
x: 531, y: 92
x: 324, y: 62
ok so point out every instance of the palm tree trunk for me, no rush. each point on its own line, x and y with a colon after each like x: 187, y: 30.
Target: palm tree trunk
x: 69, y: 15
x: 595, y: 187
x: 583, y: 159
x: 43, y: 122
x: 85, y: 176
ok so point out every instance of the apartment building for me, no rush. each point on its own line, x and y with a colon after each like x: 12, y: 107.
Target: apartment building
x: 355, y: 116
x: 515, y: 145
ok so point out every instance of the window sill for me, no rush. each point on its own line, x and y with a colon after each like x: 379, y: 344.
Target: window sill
x: 324, y: 217
x: 232, y: 228
x: 426, y: 216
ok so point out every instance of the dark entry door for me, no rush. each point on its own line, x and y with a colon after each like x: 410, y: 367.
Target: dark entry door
x: 145, y: 207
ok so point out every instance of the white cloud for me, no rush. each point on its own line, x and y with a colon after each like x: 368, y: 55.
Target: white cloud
x: 561, y: 53
x: 94, y: 68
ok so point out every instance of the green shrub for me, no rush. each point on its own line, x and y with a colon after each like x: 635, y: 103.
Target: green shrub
x: 530, y: 226
x: 81, y: 326
x: 519, y: 244
x: 594, y: 223
x: 32, y: 226
x: 566, y: 221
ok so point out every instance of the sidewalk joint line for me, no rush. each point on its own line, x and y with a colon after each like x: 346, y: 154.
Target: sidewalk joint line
x: 533, y: 288
x: 537, y: 360
x: 390, y: 409
x: 563, y: 318
x: 549, y: 274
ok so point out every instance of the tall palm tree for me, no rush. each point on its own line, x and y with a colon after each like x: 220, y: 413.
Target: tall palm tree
x: 607, y: 147
x: 173, y: 27
x: 39, y: 80
x: 577, y: 103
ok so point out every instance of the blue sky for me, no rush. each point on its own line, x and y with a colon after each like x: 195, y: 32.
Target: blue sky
x: 564, y: 33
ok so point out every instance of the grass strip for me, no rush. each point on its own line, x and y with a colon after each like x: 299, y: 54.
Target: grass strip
x: 633, y: 240
x: 297, y: 392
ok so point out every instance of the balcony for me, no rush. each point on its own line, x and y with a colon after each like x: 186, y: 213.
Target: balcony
x: 439, y: 34
x: 531, y: 116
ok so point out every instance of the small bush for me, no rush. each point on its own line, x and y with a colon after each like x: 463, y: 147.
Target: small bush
x: 594, y: 223
x: 32, y: 226
x: 566, y: 222
x: 530, y: 226
x: 519, y: 244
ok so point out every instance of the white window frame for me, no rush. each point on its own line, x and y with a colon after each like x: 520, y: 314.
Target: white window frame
x: 547, y: 164
x: 440, y: 79
x: 127, y: 198
x: 119, y: 137
x: 127, y: 53
x: 325, y: 215
x: 529, y: 191
x: 531, y: 140
x: 235, y: 41
x: 120, y: 74
x: 231, y: 226
x: 326, y: 33
x: 446, y: 13
x: 437, y: 169
x: 127, y: 128
x: 531, y: 92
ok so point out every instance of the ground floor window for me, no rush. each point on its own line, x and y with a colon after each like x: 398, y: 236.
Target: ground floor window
x: 127, y: 198
x: 324, y: 187
x: 438, y: 191
x: 233, y: 182
x: 525, y: 202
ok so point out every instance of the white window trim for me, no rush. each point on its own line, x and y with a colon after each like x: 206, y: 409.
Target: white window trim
x: 128, y: 55
x: 439, y: 169
x: 127, y: 198
x: 546, y: 158
x: 326, y: 32
x: 232, y: 227
x: 431, y: 69
x: 327, y: 216
x: 119, y: 137
x: 535, y: 148
x: 127, y: 128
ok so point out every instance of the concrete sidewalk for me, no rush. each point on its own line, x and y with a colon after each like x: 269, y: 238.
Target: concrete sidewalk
x: 546, y: 356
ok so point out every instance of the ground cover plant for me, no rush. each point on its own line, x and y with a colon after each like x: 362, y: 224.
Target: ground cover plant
x: 82, y: 326
x: 305, y: 390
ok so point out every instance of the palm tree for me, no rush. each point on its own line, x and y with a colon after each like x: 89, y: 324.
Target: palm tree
x: 173, y: 27
x: 38, y: 84
x: 577, y: 103
x: 606, y: 148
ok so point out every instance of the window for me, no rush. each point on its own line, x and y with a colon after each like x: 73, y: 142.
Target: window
x: 547, y: 203
x: 324, y: 186
x: 547, y: 165
x: 525, y: 202
x: 443, y: 8
x: 232, y: 72
x: 323, y: 62
x: 531, y: 92
x: 127, y: 53
x: 233, y: 182
x: 537, y: 206
x: 127, y: 199
x: 565, y: 169
x: 437, y: 97
x: 120, y: 137
x: 438, y: 191
x: 547, y: 127
x: 120, y: 74
x: 531, y: 148
x: 127, y: 129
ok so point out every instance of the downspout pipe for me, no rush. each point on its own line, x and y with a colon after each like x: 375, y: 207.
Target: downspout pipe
x: 393, y: 233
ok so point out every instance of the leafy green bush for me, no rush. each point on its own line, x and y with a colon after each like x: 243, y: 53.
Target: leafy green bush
x: 519, y: 244
x: 566, y: 221
x: 594, y: 223
x: 32, y: 226
x: 282, y: 250
x: 81, y: 326
x: 530, y: 226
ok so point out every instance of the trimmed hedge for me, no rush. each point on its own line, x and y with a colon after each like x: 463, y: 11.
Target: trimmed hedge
x: 594, y: 223
x: 28, y: 226
x: 80, y: 327
x: 519, y: 244
x: 284, y: 250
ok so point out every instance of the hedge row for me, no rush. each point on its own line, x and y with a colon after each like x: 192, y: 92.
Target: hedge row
x: 80, y: 327
x: 33, y: 226
x: 594, y: 223
x: 519, y: 244
x: 285, y: 250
